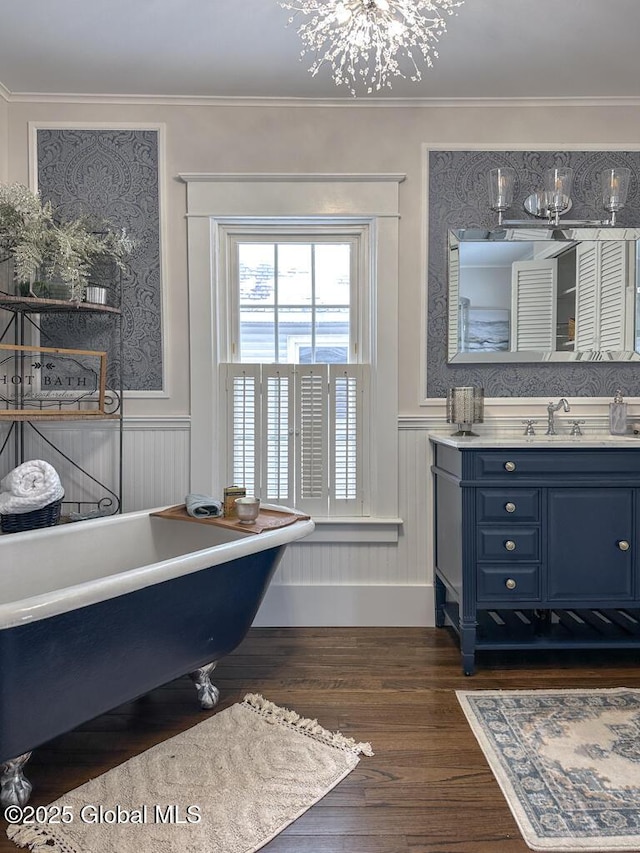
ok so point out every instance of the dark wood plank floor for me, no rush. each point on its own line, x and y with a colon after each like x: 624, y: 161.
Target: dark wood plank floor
x: 428, y: 788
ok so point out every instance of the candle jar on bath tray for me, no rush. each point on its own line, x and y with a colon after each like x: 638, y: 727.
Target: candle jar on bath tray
x: 247, y: 509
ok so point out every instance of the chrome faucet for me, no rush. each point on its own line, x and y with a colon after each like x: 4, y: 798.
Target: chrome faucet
x: 552, y: 408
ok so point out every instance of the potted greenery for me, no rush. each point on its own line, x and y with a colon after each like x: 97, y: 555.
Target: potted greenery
x: 44, y: 249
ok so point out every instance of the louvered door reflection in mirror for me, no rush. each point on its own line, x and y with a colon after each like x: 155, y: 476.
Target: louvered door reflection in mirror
x: 543, y: 294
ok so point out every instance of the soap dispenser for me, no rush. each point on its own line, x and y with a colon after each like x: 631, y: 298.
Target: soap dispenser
x: 618, y: 415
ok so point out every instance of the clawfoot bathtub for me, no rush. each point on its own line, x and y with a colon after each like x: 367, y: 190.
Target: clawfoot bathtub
x: 97, y: 613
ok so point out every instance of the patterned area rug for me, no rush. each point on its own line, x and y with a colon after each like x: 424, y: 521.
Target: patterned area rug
x: 568, y: 763
x: 229, y: 785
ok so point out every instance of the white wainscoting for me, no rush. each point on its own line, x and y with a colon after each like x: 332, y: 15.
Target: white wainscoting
x: 156, y: 462
x: 392, y: 584
x: 357, y: 584
x: 155, y: 458
x: 319, y: 584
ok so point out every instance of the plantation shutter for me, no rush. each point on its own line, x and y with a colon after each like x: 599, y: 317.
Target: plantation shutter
x: 348, y: 391
x: 534, y: 286
x: 242, y: 383
x: 312, y: 433
x: 296, y: 434
x: 587, y: 297
x: 277, y: 462
x: 614, y: 263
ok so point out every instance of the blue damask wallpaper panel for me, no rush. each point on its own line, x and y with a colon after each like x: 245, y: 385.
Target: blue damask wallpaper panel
x: 458, y: 198
x: 112, y: 174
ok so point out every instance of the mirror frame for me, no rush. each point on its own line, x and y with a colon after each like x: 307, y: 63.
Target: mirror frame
x: 565, y: 233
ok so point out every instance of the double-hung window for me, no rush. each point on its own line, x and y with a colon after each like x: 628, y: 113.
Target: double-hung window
x: 295, y: 378
x: 293, y: 320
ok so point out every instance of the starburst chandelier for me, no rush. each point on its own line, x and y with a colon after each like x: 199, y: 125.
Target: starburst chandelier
x: 367, y: 42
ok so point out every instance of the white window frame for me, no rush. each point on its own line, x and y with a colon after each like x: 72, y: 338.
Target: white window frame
x: 318, y: 230
x: 321, y: 229
x: 215, y: 201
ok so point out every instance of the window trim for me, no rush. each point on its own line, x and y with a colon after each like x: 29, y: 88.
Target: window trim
x: 213, y: 199
x: 317, y: 230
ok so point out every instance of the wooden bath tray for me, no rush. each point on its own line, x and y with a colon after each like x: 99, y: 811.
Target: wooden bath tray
x: 268, y: 519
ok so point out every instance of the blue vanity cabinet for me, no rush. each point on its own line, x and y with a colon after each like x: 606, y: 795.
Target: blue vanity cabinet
x: 534, y: 545
x: 591, y: 559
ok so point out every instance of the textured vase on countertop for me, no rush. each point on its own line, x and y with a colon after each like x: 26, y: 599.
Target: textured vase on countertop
x: 618, y: 415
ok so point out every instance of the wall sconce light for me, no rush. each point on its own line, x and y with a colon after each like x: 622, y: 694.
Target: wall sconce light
x: 554, y: 200
x: 465, y: 407
x: 557, y: 186
x: 615, y: 186
x: 501, y: 182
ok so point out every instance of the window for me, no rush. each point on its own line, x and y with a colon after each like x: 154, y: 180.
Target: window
x: 293, y: 300
x: 359, y: 209
x: 296, y: 396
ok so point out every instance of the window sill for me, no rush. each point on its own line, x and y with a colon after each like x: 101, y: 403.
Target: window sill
x: 353, y: 529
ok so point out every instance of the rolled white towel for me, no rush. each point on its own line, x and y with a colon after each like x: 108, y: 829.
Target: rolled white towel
x: 30, y: 486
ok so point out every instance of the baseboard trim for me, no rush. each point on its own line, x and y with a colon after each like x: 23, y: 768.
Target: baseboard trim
x: 335, y: 605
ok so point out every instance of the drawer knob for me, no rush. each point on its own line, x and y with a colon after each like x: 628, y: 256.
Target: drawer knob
x: 510, y: 583
x: 623, y: 545
x: 510, y: 545
x: 509, y: 466
x: 510, y: 507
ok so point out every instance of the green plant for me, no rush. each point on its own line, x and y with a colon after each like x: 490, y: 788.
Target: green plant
x: 44, y: 248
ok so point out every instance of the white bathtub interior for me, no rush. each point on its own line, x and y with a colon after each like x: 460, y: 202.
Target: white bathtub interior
x: 70, y: 554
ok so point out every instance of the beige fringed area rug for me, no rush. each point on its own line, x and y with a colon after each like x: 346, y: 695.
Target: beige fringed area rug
x: 228, y: 785
x: 568, y: 763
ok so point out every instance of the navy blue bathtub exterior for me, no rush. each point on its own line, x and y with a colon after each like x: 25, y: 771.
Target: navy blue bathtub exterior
x: 59, y: 672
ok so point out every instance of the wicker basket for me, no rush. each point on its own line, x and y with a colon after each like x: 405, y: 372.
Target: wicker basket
x: 46, y: 516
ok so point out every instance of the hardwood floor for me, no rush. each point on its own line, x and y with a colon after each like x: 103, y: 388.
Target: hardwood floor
x: 427, y: 789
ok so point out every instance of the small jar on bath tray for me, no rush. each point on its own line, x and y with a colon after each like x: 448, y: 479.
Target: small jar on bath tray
x: 247, y: 509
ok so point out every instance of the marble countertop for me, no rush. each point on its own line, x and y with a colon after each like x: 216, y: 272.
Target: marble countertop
x: 497, y: 440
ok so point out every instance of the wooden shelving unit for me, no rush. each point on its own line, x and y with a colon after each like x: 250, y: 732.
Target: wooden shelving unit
x: 35, y: 401
x: 33, y: 305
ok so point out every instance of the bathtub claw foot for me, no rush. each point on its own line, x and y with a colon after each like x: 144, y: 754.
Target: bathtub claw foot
x: 15, y: 789
x: 208, y: 693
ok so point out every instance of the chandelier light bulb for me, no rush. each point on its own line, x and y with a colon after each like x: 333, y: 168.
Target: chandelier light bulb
x: 365, y: 43
x: 342, y: 14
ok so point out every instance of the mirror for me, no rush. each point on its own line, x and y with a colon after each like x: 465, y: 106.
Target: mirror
x: 543, y: 294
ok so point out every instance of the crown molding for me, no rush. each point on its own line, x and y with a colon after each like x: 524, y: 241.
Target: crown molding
x: 310, y: 103
x: 528, y: 146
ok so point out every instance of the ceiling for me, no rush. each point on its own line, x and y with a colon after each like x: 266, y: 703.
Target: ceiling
x: 244, y: 48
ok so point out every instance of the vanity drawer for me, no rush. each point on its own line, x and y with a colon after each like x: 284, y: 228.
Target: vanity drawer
x: 556, y: 464
x: 511, y: 543
x: 508, y: 505
x: 503, y: 583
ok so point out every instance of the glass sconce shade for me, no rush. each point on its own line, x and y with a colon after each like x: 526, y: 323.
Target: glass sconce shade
x: 557, y: 185
x: 465, y: 407
x: 554, y: 198
x: 615, y: 186
x: 501, y: 183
